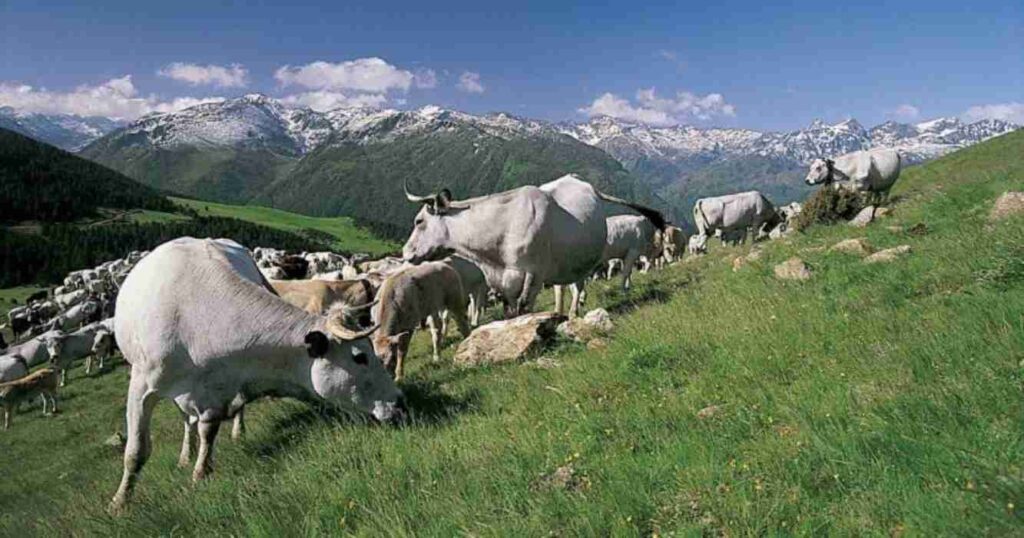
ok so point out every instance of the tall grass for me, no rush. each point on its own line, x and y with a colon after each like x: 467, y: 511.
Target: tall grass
x: 870, y: 400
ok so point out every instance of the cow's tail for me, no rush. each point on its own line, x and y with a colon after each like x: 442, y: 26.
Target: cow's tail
x: 652, y: 215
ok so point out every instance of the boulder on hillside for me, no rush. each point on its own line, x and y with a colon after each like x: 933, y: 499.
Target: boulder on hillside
x: 1010, y: 203
x: 594, y: 324
x: 792, y: 269
x: 864, y: 217
x: 508, y: 340
x: 857, y: 246
x: 888, y: 255
x: 740, y: 261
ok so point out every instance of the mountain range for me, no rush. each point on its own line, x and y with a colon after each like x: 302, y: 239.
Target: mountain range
x: 354, y: 161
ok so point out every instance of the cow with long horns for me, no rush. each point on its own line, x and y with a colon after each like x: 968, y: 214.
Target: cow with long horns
x: 524, y: 238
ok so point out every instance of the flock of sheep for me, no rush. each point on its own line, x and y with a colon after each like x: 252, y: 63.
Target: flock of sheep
x: 213, y: 326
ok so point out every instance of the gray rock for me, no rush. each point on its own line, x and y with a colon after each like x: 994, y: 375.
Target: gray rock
x: 792, y: 269
x: 508, y: 340
x: 864, y: 218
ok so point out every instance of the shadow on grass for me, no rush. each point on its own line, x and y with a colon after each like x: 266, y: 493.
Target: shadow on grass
x: 427, y: 405
x: 619, y: 302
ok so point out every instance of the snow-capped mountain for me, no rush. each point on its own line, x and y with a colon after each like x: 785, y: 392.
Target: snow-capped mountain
x: 62, y: 130
x: 258, y: 121
x: 628, y: 142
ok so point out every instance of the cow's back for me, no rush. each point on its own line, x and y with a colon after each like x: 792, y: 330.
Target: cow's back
x: 575, y: 232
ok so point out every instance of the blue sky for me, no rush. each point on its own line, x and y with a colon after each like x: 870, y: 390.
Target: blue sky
x: 728, y: 63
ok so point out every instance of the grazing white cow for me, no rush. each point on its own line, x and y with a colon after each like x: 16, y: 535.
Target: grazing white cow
x: 103, y: 346
x: 731, y: 215
x: 34, y: 351
x: 522, y: 239
x: 77, y: 316
x: 406, y: 299
x: 201, y: 326
x: 629, y: 238
x: 65, y: 349
x: 674, y: 242
x: 872, y: 171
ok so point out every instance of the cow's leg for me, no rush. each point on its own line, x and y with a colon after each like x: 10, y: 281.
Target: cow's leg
x: 578, y: 293
x: 627, y: 271
x: 434, y: 322
x: 88, y: 364
x: 611, y: 269
x: 188, y: 441
x: 238, y: 425
x: 53, y: 402
x: 138, y: 445
x: 204, y: 460
x: 403, y: 350
x: 559, y: 298
x: 531, y: 287
x: 444, y: 324
x: 7, y: 417
x: 462, y: 322
x: 63, y: 378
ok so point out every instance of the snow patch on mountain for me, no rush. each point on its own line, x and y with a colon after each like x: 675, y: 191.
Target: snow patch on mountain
x: 62, y: 130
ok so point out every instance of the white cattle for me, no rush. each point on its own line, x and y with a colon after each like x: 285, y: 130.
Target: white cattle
x: 731, y: 216
x: 65, y: 349
x: 199, y: 325
x: 67, y: 300
x: 522, y: 239
x: 674, y: 242
x: 12, y: 366
x: 34, y: 351
x: 103, y: 346
x: 77, y: 316
x: 322, y: 262
x: 872, y: 171
x: 629, y: 238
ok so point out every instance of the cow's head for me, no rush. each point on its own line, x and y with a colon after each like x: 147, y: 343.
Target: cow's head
x: 54, y: 344
x: 822, y: 171
x: 430, y: 238
x: 348, y: 373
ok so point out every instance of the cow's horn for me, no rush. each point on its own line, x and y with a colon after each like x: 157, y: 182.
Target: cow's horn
x: 339, y: 330
x: 370, y: 304
x: 416, y: 199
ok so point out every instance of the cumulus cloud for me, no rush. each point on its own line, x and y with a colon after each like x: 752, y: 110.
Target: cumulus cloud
x: 233, y: 76
x: 372, y: 75
x: 905, y: 112
x: 650, y: 109
x: 425, y: 78
x: 322, y: 101
x: 469, y: 82
x: 1012, y: 112
x: 116, y: 98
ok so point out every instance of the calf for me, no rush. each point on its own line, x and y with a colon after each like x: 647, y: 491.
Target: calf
x: 410, y: 296
x: 41, y: 383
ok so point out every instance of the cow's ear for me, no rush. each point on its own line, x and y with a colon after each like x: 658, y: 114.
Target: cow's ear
x: 317, y: 344
x: 442, y: 201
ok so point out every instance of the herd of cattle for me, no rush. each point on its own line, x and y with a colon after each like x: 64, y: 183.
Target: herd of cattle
x: 213, y: 326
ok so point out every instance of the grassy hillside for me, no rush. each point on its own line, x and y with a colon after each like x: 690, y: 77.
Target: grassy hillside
x: 870, y: 400
x: 40, y: 182
x: 346, y: 236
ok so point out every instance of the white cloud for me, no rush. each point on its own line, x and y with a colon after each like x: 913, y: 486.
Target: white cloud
x: 372, y: 75
x: 650, y: 109
x: 469, y: 82
x: 233, y: 76
x: 905, y: 112
x: 1012, y: 112
x: 323, y: 101
x: 425, y: 78
x: 116, y: 98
